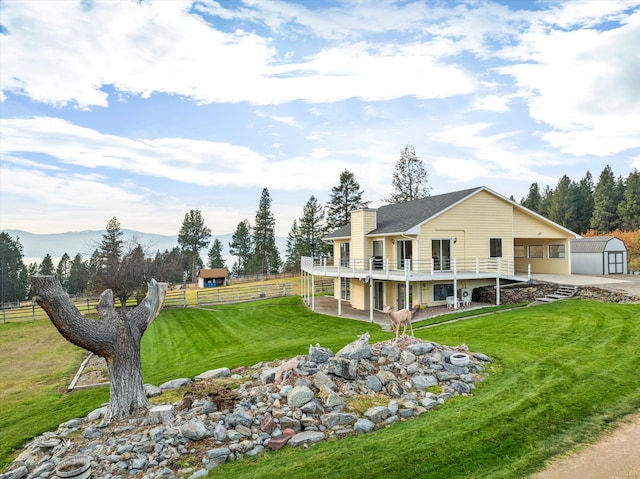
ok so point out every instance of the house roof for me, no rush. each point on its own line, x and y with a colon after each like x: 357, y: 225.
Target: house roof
x: 213, y: 273
x: 592, y: 244
x: 399, y: 218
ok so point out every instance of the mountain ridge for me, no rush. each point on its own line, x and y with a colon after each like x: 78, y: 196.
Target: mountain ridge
x: 35, y: 246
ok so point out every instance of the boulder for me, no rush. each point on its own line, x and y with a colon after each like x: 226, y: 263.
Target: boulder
x: 377, y: 414
x: 194, y: 430
x: 299, y: 395
x: 319, y: 355
x: 306, y: 437
x: 344, y: 368
x: 214, y: 374
x: 358, y: 349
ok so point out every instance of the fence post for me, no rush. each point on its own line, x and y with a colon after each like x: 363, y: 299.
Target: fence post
x: 33, y: 311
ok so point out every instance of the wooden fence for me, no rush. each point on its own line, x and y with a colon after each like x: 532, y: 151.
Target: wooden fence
x: 30, y: 311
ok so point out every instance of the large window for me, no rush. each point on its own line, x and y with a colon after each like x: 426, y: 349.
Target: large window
x: 556, y: 251
x: 441, y: 291
x: 518, y: 251
x: 441, y: 254
x: 344, y: 254
x: 495, y: 247
x: 536, y: 251
x: 404, y: 252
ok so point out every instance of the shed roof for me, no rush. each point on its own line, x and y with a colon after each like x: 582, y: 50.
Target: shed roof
x: 213, y: 273
x: 592, y: 244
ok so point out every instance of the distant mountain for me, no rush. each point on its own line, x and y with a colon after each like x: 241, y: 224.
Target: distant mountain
x: 37, y: 246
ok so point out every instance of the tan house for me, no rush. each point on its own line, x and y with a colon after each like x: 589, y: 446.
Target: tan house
x: 427, y: 250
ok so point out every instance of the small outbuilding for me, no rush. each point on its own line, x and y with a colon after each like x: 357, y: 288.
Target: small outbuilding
x: 598, y: 255
x: 210, y: 278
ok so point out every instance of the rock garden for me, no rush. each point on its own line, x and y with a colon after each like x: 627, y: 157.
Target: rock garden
x: 225, y: 415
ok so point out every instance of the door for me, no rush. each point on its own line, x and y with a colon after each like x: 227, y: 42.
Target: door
x: 377, y: 255
x: 404, y: 253
x: 378, y: 295
x: 616, y: 265
x: 441, y: 254
x: 402, y: 296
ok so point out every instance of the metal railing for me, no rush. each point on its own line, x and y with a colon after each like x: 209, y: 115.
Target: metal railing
x: 408, y: 267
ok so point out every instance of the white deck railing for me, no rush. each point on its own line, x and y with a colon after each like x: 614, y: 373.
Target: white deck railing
x: 386, y: 268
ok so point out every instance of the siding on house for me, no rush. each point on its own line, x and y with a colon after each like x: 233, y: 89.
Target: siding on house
x: 468, y: 221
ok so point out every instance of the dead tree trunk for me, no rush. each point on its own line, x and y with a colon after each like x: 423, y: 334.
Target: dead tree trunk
x: 115, y: 336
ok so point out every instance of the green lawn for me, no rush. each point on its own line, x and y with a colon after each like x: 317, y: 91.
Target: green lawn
x: 563, y: 373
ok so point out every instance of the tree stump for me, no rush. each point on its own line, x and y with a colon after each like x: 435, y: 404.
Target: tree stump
x: 163, y: 414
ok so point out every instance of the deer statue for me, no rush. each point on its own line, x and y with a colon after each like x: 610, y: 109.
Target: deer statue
x: 400, y: 318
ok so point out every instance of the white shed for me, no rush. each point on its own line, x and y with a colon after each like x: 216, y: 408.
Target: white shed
x: 598, y: 255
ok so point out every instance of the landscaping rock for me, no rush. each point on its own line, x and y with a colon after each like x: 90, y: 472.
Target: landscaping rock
x: 213, y: 374
x: 306, y: 437
x: 256, y: 416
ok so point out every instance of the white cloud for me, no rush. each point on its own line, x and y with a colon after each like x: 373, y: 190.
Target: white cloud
x: 458, y: 170
x: 198, y: 162
x: 494, y: 103
x: 584, y: 85
x: 61, y: 53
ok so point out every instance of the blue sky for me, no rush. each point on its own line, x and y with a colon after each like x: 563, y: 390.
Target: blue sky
x: 146, y: 109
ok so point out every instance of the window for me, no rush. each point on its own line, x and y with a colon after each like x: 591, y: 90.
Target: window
x: 556, y: 251
x: 377, y: 254
x: 518, y: 251
x: 344, y: 254
x: 495, y: 247
x: 404, y: 252
x: 345, y: 289
x: 441, y: 254
x: 536, y: 251
x: 441, y: 291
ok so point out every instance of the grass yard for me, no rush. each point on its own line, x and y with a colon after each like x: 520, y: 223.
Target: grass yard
x: 563, y: 373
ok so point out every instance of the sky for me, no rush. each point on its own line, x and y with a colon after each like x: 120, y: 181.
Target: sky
x: 145, y: 110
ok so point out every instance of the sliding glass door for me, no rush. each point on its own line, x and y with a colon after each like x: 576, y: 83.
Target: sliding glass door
x: 441, y: 254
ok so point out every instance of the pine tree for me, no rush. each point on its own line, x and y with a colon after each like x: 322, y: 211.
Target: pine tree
x: 292, y: 264
x: 562, y: 209
x: 215, y: 255
x: 584, y: 204
x: 241, y: 245
x: 193, y: 236
x: 311, y: 230
x: 63, y: 270
x: 46, y: 267
x: 13, y: 274
x: 78, y: 275
x: 629, y: 207
x: 533, y: 199
x: 344, y: 198
x: 409, y: 178
x: 110, y: 254
x: 545, y: 201
x: 606, y: 197
x: 266, y: 257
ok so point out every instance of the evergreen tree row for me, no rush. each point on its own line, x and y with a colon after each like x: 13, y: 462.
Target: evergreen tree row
x: 582, y: 206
